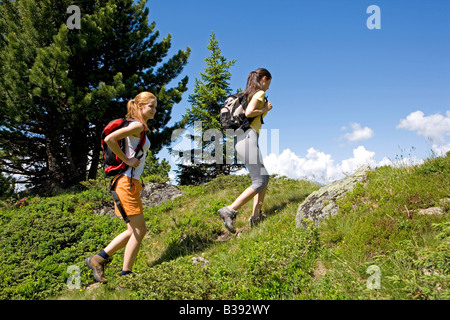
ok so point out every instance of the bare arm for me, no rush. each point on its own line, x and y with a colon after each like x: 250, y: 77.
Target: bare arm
x: 253, y: 110
x: 134, y: 129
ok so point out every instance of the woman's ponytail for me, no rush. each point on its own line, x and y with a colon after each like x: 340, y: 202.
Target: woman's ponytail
x: 131, y: 108
x: 254, y: 82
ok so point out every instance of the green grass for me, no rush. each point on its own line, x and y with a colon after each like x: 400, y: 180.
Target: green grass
x: 262, y: 263
x: 379, y: 224
x: 41, y: 239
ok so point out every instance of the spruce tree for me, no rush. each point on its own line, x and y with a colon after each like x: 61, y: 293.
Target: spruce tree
x: 59, y: 87
x: 210, y: 92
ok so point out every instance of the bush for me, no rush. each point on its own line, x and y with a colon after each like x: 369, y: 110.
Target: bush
x: 42, y: 239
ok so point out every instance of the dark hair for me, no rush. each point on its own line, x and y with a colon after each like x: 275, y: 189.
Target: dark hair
x: 254, y: 82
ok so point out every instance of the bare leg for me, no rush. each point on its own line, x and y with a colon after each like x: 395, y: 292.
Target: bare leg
x: 258, y: 200
x: 119, y: 242
x: 137, y: 223
x: 131, y: 238
x: 243, y: 198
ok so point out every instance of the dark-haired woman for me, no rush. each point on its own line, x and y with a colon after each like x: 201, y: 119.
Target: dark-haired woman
x: 248, y: 152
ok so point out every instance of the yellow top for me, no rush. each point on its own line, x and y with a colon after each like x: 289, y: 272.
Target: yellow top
x: 256, y: 123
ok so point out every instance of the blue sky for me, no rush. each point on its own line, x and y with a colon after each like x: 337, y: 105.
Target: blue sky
x: 343, y: 94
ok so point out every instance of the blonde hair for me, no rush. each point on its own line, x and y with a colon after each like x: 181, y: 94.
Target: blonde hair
x: 134, y: 112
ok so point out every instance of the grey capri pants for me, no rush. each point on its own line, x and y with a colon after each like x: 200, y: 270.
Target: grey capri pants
x: 247, y: 150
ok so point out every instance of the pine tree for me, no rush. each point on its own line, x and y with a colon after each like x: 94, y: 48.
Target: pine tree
x: 210, y: 92
x: 60, y: 87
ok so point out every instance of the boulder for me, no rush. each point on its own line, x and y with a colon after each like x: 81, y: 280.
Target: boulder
x: 322, y: 203
x: 153, y: 194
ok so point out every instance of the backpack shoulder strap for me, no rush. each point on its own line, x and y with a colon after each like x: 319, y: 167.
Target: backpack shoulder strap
x: 243, y: 100
x: 112, y: 189
x: 140, y: 145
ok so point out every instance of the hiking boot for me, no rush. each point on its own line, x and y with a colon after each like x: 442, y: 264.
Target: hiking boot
x: 256, y: 219
x: 97, y: 265
x: 228, y: 215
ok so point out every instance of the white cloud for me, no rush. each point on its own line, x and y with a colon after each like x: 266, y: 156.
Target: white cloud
x: 320, y: 167
x: 400, y: 163
x: 361, y: 156
x: 316, y: 165
x: 435, y: 126
x: 172, y: 178
x: 441, y: 150
x: 358, y: 133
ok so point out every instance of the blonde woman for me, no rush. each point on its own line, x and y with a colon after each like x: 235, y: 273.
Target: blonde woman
x: 140, y: 109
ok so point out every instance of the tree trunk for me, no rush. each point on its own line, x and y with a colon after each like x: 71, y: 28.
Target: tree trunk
x: 55, y: 176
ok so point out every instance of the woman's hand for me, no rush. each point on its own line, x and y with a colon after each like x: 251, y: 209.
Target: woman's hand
x: 132, y: 162
x: 268, y: 106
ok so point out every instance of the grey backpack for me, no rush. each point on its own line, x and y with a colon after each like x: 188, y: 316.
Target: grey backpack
x: 232, y: 113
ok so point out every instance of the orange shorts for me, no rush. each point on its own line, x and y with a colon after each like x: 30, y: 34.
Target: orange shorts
x: 130, y: 199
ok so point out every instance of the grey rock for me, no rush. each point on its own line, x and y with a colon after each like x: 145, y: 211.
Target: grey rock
x: 431, y: 211
x: 200, y: 261
x: 443, y: 204
x: 322, y: 203
x: 153, y: 194
x: 106, y: 210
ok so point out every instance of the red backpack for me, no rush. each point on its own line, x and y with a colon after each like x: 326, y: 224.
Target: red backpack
x: 112, y: 164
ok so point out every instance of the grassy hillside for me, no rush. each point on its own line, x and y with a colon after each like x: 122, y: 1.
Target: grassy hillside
x: 187, y: 254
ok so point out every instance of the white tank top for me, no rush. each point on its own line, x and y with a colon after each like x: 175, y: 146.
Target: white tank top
x: 131, y: 144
